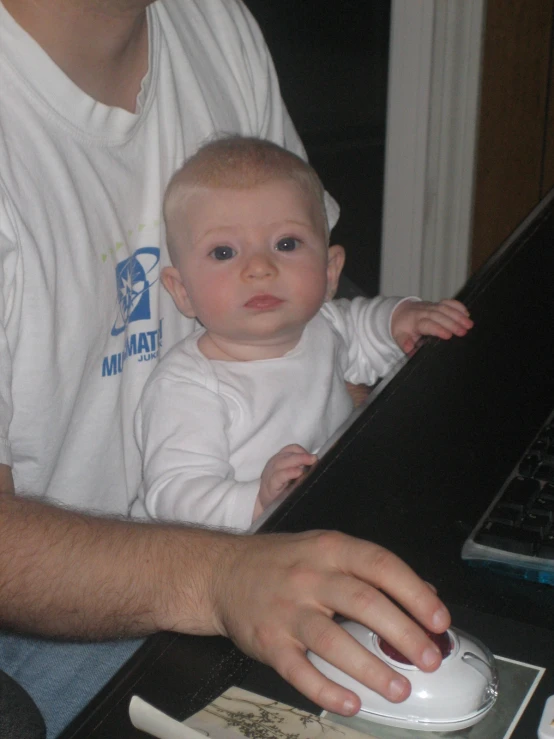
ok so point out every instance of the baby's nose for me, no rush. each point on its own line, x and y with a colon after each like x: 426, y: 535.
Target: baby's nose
x: 259, y: 266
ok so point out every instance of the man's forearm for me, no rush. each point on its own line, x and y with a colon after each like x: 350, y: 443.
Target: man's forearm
x: 67, y: 574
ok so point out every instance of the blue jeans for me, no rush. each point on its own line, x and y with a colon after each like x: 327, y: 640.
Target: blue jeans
x: 62, y: 677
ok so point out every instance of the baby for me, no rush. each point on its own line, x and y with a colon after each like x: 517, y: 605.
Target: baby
x: 238, y: 409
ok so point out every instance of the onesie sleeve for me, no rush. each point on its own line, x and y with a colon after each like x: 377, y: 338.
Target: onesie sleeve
x: 9, y: 264
x: 181, y: 427
x: 368, y: 350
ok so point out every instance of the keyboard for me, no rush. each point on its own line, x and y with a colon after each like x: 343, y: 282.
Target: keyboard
x: 515, y: 536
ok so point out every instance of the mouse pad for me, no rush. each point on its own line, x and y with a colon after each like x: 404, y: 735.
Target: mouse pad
x: 240, y: 713
x: 516, y: 684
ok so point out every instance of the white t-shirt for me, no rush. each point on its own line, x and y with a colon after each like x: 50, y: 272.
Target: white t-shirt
x: 206, y: 428
x: 83, y: 320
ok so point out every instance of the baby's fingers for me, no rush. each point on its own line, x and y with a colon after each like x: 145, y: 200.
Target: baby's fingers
x: 282, y: 477
x: 293, y: 449
x: 292, y: 456
x: 455, y: 312
x: 455, y: 304
x: 295, y: 465
x: 444, y: 321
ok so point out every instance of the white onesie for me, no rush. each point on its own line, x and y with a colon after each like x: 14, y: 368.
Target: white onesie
x: 207, y: 428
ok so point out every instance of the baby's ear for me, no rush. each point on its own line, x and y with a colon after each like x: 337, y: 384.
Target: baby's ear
x: 335, y: 263
x: 171, y: 280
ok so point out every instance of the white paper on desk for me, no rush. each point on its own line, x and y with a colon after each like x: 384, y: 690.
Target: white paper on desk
x: 157, y: 723
x: 239, y: 713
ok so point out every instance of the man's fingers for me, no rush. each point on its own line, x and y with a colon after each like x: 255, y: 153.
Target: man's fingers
x: 361, y: 578
x: 368, y: 564
x: 325, y: 637
x: 367, y: 603
x: 293, y: 665
x: 381, y: 615
x: 313, y: 576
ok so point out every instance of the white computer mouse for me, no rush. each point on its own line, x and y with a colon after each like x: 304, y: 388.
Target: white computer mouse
x: 457, y: 695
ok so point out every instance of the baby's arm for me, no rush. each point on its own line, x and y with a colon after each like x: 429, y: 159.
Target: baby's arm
x: 377, y: 331
x: 287, y: 465
x: 180, y: 428
x: 367, y: 351
x: 413, y: 319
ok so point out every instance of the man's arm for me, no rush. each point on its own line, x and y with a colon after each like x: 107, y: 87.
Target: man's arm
x: 66, y: 574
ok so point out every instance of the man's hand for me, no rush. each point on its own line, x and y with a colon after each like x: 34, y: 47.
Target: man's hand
x: 69, y: 575
x: 287, y: 465
x: 276, y: 598
x: 413, y: 319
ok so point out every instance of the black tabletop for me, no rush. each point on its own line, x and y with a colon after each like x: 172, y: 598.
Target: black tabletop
x: 414, y: 473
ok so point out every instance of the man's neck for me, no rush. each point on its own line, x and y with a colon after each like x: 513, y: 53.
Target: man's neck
x: 102, y: 45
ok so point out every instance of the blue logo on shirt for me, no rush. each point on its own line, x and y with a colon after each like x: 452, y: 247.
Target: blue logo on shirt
x: 133, y: 284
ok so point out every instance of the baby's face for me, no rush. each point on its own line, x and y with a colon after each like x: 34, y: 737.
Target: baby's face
x: 254, y: 262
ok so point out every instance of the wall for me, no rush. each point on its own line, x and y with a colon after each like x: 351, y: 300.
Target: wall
x: 515, y: 164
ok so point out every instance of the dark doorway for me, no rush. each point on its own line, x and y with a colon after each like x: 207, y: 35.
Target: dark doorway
x: 332, y: 61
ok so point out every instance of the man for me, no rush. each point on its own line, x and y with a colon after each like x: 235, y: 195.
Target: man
x: 101, y: 102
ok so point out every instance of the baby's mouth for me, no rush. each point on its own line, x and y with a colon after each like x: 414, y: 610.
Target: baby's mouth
x: 263, y: 302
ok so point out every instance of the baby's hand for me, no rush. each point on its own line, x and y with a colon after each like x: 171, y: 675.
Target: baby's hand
x: 413, y: 319
x: 288, y: 464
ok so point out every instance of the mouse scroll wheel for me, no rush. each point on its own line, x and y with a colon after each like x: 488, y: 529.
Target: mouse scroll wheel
x: 443, y: 642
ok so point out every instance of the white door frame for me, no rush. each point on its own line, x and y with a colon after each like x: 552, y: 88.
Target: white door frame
x: 432, y: 111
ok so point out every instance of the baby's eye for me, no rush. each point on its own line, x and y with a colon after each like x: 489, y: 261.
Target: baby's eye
x: 287, y: 244
x: 222, y: 252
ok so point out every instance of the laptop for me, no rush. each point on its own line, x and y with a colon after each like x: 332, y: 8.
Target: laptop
x: 514, y: 533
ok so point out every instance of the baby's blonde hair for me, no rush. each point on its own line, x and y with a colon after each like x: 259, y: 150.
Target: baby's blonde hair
x: 240, y: 162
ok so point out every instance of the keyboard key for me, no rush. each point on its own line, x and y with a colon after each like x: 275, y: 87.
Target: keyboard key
x: 548, y: 492
x: 505, y: 514
x: 520, y: 492
x: 529, y: 465
x: 545, y: 472
x: 548, y: 432
x: 543, y: 505
x: 546, y: 549
x: 540, y: 445
x: 536, y: 522
x: 500, y: 536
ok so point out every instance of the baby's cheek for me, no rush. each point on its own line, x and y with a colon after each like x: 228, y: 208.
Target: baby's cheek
x: 314, y: 291
x: 214, y: 304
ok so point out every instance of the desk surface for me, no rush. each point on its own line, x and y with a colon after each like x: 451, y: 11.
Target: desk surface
x: 414, y: 472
